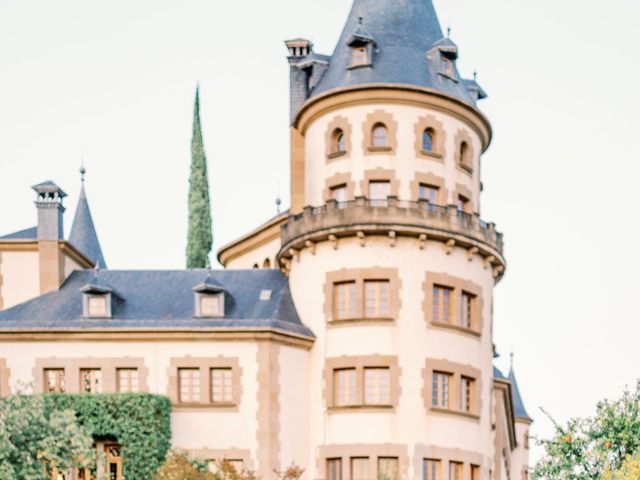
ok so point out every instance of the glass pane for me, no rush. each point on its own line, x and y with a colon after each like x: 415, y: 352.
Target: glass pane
x: 387, y: 468
x: 427, y: 141
x: 379, y: 190
x: 380, y: 136
x: 360, y: 468
x: 210, y: 305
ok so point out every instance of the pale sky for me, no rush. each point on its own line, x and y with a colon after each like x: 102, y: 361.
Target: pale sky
x: 116, y: 80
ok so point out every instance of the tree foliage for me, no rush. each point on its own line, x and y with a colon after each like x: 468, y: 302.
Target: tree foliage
x: 34, y: 440
x: 589, y: 448
x: 181, y: 466
x: 200, y: 236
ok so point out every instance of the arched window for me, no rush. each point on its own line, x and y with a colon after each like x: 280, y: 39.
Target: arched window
x: 464, y: 154
x: 380, y: 135
x: 428, y: 137
x: 339, y: 141
x: 266, y: 264
x: 255, y: 266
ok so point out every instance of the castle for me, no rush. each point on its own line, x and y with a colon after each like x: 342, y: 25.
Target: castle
x: 351, y: 334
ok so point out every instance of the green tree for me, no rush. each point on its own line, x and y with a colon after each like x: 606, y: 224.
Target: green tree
x: 200, y: 237
x: 588, y: 448
x: 33, y: 443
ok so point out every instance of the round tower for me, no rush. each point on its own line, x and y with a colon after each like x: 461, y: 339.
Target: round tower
x: 389, y: 261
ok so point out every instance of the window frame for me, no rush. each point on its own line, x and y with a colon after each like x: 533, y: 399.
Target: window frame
x: 95, y: 380
x: 60, y: 381
x: 432, y: 390
x: 129, y: 380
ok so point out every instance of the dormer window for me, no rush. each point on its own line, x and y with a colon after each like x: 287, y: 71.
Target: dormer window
x: 211, y: 305
x: 360, y: 56
x: 97, y: 301
x: 447, y: 67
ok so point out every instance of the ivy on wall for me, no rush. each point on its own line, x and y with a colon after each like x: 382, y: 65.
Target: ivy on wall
x: 140, y: 423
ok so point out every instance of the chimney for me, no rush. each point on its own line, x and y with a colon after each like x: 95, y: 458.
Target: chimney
x: 50, y: 233
x: 299, y: 76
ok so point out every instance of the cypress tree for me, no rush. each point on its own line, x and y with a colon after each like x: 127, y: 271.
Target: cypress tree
x: 200, y: 237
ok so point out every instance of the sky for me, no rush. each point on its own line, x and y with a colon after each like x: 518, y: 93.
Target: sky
x: 113, y: 83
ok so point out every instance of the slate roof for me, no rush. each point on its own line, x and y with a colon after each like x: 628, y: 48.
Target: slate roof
x: 162, y: 301
x: 498, y: 374
x: 518, y: 404
x: 26, y: 234
x: 83, y: 232
x: 403, y: 32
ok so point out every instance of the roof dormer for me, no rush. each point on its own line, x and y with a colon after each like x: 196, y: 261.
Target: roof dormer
x: 97, y: 301
x: 445, y: 53
x: 362, y: 47
x: 209, y: 300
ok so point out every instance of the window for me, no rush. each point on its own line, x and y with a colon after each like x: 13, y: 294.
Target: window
x: 128, y: 381
x: 189, y: 385
x: 447, y: 67
x: 360, y: 56
x: 388, y: 468
x: 466, y: 394
x: 428, y: 140
x: 376, y: 299
x: 431, y: 470
x: 475, y: 472
x: 463, y: 204
x: 441, y: 389
x: 90, y: 380
x: 266, y: 264
x: 340, y: 193
x: 97, y: 305
x: 377, y: 384
x: 344, y: 301
x: 442, y: 304
x: 464, y: 154
x: 380, y: 136
x: 455, y: 471
x: 54, y: 380
x: 221, y: 385
x: 339, y: 141
x: 379, y: 191
x: 334, y: 469
x: 360, y: 468
x: 429, y: 193
x: 345, y: 387
x: 211, y: 305
x: 526, y: 440
x: 467, y: 301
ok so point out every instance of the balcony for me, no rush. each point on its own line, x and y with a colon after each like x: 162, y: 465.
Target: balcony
x: 394, y: 218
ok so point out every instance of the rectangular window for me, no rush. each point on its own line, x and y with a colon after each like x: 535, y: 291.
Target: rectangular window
x: 388, y: 468
x: 429, y: 193
x: 441, y: 389
x: 97, y: 306
x: 340, y: 193
x: 466, y: 309
x: 189, y: 385
x: 377, y: 386
x: 344, y: 301
x: 376, y: 298
x: 431, y: 469
x: 475, y: 472
x: 334, y: 469
x: 128, y: 381
x: 90, y: 380
x: 463, y: 204
x: 379, y: 191
x: 360, y: 468
x: 344, y: 386
x: 360, y: 56
x: 211, y: 305
x: 455, y: 471
x: 54, y: 380
x: 466, y: 394
x: 221, y: 385
x: 441, y: 309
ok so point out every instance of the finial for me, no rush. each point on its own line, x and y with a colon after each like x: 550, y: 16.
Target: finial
x: 83, y: 171
x: 359, y: 20
x: 475, y: 74
x: 511, y: 355
x: 449, y: 31
x: 278, y: 203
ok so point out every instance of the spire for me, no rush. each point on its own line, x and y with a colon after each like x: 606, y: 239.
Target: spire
x: 83, y: 232
x: 518, y: 404
x: 200, y: 237
x: 405, y: 34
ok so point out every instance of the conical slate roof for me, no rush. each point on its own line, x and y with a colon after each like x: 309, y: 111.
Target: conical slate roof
x: 518, y: 404
x: 83, y: 232
x: 404, y: 32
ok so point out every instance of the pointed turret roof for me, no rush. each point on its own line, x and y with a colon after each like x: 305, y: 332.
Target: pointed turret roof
x: 83, y: 231
x: 404, y: 32
x: 518, y: 404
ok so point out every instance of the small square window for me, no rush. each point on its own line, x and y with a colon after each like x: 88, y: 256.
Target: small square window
x: 360, y: 56
x: 211, y: 305
x: 97, y: 306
